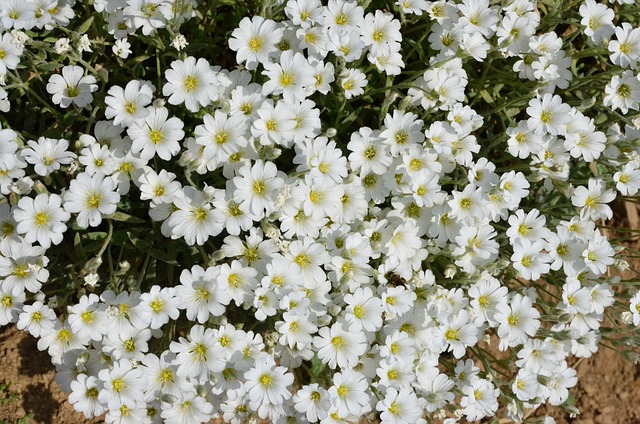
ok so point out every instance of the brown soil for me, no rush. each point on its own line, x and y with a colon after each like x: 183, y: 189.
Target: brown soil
x: 31, y: 388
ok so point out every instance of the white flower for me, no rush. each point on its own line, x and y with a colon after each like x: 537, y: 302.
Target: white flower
x: 435, y: 389
x: 36, y: 318
x: 518, y: 319
x: 267, y: 383
x: 84, y: 45
x: 257, y: 187
x: 41, y: 219
x: 91, y: 197
x: 634, y: 307
x: 128, y: 105
x: 191, y: 408
x: 480, y: 400
x: 84, y: 396
x: 149, y: 14
x: 599, y: 254
x: 529, y: 259
x: 9, y: 53
x: 121, y: 48
x: 559, y: 381
x: 381, y: 33
x: 194, y: 219
x: 401, y: 407
x: 340, y: 347
x: 363, y: 310
x: 198, y: 355
x: 191, y: 82
x: 158, y: 305
x: 625, y: 49
x: 627, y: 180
x: 156, y: 135
x: 290, y: 76
x: 349, y: 393
x: 63, y: 45
x: 179, y: 42
x: 623, y: 92
x: 221, y: 135
x: 254, y: 41
x: 72, y: 87
x: 459, y: 333
x: 23, y: 267
x: 598, y: 20
x: 353, y: 81
x: 313, y: 401
x: 548, y: 115
x: 123, y: 383
x: 201, y: 294
x: 275, y: 124
x: 158, y: 187
x: 96, y: 159
x: 593, y: 200
x: 401, y: 131
x: 47, y: 155
x: 87, y: 318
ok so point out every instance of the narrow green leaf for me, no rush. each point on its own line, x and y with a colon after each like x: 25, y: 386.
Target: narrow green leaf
x: 85, y: 26
x: 124, y: 217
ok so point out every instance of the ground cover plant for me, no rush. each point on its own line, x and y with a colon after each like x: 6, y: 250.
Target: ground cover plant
x: 317, y: 212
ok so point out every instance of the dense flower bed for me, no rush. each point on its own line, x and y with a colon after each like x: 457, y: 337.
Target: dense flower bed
x: 378, y: 209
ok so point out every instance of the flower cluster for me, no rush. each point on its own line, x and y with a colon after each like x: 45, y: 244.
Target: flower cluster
x: 334, y: 258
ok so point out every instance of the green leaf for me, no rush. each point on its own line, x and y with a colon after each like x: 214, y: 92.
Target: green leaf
x: 138, y: 243
x: 125, y: 217
x: 163, y: 256
x: 487, y: 97
x: 138, y: 59
x: 78, y: 248
x: 350, y: 118
x: 97, y: 235
x: 85, y: 26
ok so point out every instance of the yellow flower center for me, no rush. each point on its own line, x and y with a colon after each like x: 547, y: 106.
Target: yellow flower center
x: 199, y: 214
x: 225, y: 341
x: 258, y: 188
x: 190, y: 84
x: 7, y: 228
x: 286, y: 79
x: 72, y: 91
x: 21, y: 271
x: 166, y: 376
x: 93, y: 200
x: 118, y: 385
x: 88, y: 317
x: 302, y: 260
x: 156, y: 136
x: 265, y: 380
x: 255, y: 44
x: 337, y: 342
x: 200, y: 351
x: 452, y: 335
x: 156, y: 305
x: 202, y: 294
x: 546, y: 116
x: 130, y: 107
x: 41, y: 219
x: 343, y: 390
